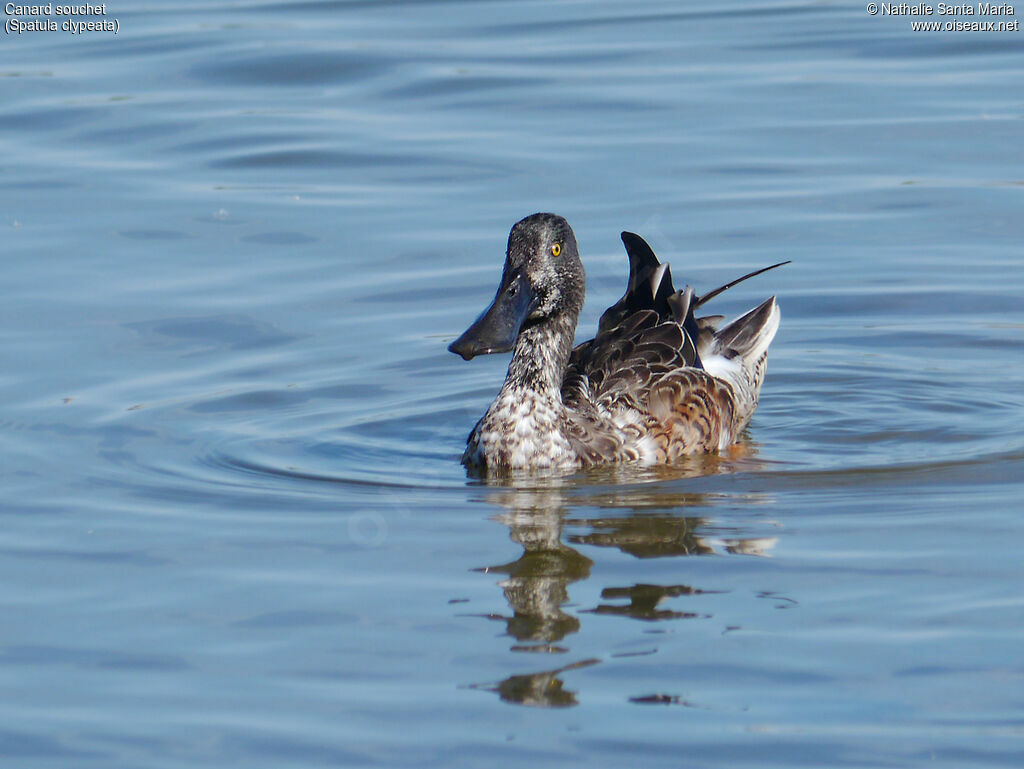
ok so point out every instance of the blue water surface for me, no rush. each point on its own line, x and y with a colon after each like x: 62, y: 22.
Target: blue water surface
x: 234, y: 530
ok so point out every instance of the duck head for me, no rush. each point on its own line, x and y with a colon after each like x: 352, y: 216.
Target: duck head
x: 543, y: 280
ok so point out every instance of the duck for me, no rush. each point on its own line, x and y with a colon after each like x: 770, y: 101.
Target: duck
x: 654, y: 384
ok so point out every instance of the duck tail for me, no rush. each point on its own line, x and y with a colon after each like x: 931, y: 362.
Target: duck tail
x: 750, y: 334
x: 738, y: 353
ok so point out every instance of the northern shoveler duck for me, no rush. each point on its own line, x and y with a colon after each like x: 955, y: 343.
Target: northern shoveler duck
x: 654, y: 384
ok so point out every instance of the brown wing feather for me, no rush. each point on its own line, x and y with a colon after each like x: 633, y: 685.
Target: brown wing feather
x: 624, y: 359
x: 613, y: 374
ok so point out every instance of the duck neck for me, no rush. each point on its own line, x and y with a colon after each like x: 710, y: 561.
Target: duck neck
x: 540, y: 356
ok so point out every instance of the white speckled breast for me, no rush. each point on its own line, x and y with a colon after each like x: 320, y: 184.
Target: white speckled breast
x: 521, y: 429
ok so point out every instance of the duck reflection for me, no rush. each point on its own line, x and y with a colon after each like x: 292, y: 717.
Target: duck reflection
x: 645, y: 536
x: 538, y: 582
x: 536, y: 585
x: 540, y: 690
x: 644, y: 601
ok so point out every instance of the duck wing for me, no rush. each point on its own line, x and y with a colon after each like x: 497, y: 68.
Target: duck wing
x: 639, y: 340
x: 651, y: 330
x: 608, y: 378
x: 622, y: 360
x: 642, y: 376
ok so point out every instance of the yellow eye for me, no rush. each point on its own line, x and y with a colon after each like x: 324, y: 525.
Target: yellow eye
x: 556, y: 249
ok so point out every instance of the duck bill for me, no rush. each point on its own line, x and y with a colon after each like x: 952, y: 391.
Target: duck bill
x: 497, y: 328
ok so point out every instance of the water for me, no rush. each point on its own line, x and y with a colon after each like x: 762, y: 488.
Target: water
x: 236, y: 240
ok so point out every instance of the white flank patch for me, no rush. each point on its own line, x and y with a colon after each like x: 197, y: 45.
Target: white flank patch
x: 647, y: 448
x: 721, y: 367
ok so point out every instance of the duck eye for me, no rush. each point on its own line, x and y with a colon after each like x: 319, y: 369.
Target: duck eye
x: 556, y: 249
